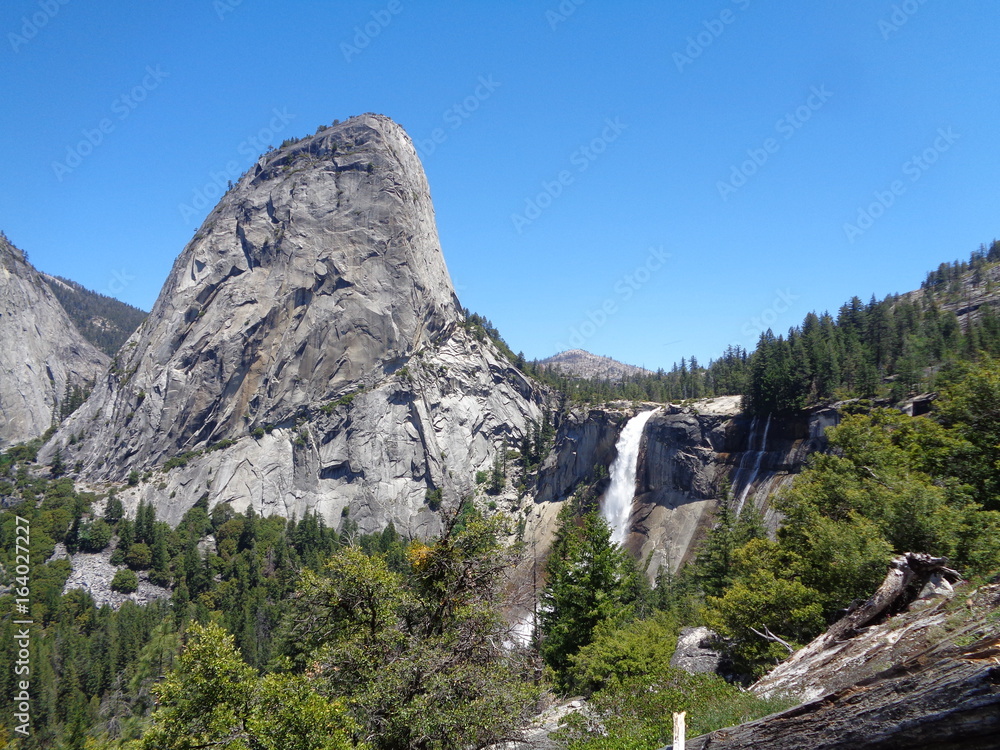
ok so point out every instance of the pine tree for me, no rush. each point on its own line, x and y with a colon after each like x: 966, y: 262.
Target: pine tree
x: 589, y: 580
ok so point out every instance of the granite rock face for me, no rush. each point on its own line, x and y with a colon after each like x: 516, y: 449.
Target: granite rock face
x: 696, y: 652
x: 41, y: 351
x: 584, y: 440
x: 309, y: 335
x: 687, y: 454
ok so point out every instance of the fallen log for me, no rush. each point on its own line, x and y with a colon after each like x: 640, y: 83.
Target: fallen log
x: 947, y: 701
x: 903, y: 571
x: 943, y: 692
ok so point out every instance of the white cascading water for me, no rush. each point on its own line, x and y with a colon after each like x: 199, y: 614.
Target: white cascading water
x: 621, y: 492
x: 758, y: 458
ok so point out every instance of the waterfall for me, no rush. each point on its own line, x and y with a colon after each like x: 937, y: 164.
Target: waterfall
x: 621, y: 492
x: 758, y: 458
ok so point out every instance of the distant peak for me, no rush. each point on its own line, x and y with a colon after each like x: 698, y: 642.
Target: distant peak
x: 579, y: 363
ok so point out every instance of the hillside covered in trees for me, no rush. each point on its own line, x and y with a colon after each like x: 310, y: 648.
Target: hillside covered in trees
x: 104, y: 321
x: 889, y: 348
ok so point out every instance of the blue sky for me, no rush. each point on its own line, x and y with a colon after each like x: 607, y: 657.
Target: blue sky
x: 645, y: 180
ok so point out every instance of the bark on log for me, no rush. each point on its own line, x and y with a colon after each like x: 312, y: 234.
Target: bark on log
x: 903, y: 570
x: 939, y: 701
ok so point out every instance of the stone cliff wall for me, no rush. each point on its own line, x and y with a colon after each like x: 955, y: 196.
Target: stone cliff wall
x: 41, y: 351
x: 687, y: 455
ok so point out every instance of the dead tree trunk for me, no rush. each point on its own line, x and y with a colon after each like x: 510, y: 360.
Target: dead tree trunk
x: 903, y: 571
x: 946, y: 703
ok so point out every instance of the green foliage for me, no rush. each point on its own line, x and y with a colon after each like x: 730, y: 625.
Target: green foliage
x: 891, y: 484
x: 94, y: 536
x: 139, y: 556
x: 714, y: 568
x: 93, y: 668
x: 368, y: 631
x: 762, y: 600
x: 971, y: 407
x: 433, y: 498
x: 113, y: 509
x: 133, y: 478
x: 589, y: 581
x: 72, y: 399
x: 344, y: 400
x: 616, y: 654
x: 125, y: 581
x: 214, y: 699
x: 637, y: 712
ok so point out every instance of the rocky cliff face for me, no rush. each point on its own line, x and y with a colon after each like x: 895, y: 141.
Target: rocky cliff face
x: 308, y: 348
x: 41, y: 352
x: 585, y: 440
x: 687, y: 455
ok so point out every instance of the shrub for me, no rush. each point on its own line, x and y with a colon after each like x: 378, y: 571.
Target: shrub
x: 139, y: 556
x: 94, y: 536
x: 433, y: 499
x: 221, y: 445
x: 125, y: 581
x: 159, y: 577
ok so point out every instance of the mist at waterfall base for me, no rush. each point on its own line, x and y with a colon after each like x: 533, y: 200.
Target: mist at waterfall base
x: 618, y: 499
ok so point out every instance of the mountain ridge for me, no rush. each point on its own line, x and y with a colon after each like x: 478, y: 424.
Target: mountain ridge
x: 579, y: 363
x: 106, y: 322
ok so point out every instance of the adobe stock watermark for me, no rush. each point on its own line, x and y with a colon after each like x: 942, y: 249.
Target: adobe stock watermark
x: 224, y: 7
x: 580, y: 159
x: 122, y: 108
x: 914, y: 169
x: 786, y: 128
x: 31, y: 25
x: 218, y: 181
x: 623, y: 290
x: 900, y: 16
x: 562, y: 12
x: 712, y: 29
x: 783, y: 300
x: 457, y: 115
x: 22, y: 627
x: 363, y: 35
x: 118, y: 282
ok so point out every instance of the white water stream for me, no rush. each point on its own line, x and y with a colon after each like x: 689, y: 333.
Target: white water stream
x: 758, y: 458
x: 621, y: 492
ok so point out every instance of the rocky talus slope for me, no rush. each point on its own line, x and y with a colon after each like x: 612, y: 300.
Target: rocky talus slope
x: 308, y: 351
x: 41, y: 351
